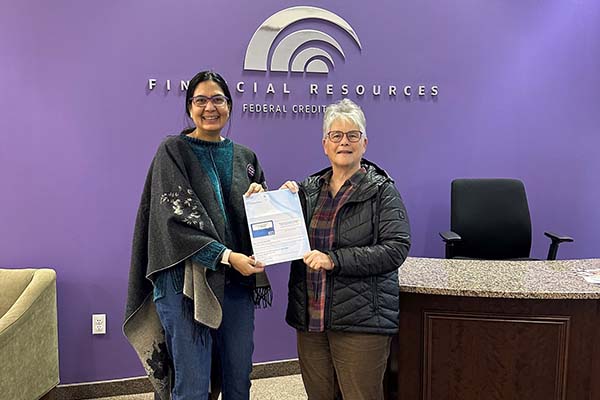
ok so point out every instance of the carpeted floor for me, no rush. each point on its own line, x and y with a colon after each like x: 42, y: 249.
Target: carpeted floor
x: 279, y: 388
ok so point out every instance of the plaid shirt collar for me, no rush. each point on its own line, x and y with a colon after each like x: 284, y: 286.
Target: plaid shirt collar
x: 354, y: 180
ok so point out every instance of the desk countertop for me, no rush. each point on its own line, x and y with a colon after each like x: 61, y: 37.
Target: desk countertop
x: 557, y: 279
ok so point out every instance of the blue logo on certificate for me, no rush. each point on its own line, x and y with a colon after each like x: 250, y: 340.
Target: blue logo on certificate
x: 261, y: 229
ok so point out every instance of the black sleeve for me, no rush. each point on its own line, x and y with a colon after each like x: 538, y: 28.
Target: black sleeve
x: 392, y: 241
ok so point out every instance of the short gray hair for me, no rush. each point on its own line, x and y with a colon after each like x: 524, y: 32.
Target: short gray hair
x: 344, y: 109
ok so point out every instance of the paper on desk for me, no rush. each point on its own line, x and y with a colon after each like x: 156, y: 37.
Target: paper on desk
x: 590, y: 275
x: 276, y: 225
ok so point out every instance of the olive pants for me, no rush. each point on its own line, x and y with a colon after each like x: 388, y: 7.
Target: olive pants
x: 343, y: 363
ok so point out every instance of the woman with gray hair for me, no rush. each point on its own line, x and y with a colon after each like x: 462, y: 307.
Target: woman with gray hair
x: 343, y: 295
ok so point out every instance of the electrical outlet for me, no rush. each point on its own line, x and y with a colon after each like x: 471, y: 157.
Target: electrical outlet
x: 98, y: 324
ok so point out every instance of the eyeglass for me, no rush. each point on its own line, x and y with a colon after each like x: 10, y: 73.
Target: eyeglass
x: 202, y: 101
x: 337, y: 136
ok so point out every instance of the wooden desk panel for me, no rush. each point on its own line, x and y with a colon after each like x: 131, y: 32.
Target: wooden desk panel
x: 462, y: 348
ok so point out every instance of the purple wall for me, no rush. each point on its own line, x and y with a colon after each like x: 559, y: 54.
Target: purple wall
x: 519, y: 93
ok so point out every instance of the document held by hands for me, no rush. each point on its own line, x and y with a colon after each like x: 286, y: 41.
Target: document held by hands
x: 276, y: 224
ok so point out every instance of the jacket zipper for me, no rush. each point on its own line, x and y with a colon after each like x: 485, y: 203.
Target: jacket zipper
x: 307, y: 221
x: 329, y: 280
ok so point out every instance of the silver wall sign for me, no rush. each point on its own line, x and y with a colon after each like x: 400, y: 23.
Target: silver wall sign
x: 307, y: 60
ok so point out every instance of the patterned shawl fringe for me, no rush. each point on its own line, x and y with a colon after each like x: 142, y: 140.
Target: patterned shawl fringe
x: 262, y: 297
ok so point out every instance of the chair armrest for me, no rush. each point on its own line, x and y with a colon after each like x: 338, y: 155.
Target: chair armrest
x: 450, y: 237
x: 42, y: 281
x: 29, y: 340
x: 558, y: 238
x: 556, y: 241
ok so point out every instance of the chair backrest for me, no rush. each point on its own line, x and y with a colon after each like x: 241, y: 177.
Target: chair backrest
x: 492, y: 217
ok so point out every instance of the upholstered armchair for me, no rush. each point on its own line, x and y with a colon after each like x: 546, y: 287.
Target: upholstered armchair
x: 28, y: 333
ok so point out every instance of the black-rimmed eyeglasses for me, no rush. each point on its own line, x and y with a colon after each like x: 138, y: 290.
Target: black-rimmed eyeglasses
x: 337, y: 136
x: 201, y: 101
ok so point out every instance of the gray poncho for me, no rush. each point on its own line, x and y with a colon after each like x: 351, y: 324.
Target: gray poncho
x: 178, y: 216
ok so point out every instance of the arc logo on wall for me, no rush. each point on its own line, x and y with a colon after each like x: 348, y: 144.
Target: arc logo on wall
x: 310, y: 59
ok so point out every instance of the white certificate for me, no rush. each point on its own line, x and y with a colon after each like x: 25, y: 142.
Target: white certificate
x: 276, y: 224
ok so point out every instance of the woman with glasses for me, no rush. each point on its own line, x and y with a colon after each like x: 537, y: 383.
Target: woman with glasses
x: 193, y: 283
x: 344, y: 294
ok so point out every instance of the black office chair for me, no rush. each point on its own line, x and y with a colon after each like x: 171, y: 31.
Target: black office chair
x: 490, y: 220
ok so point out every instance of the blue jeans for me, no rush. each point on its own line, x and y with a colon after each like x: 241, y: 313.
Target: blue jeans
x: 190, y: 344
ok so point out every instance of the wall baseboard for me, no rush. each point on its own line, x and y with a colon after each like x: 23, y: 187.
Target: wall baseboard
x: 137, y: 385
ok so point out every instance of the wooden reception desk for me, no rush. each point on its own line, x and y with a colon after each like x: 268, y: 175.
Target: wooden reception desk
x: 473, y: 329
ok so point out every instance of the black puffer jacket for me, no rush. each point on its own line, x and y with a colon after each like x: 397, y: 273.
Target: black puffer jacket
x: 372, y: 238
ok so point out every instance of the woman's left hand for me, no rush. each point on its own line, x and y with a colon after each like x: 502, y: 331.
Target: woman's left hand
x: 317, y: 260
x: 254, y: 188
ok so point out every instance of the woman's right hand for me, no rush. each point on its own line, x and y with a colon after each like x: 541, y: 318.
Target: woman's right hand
x: 292, y: 186
x: 245, y: 265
